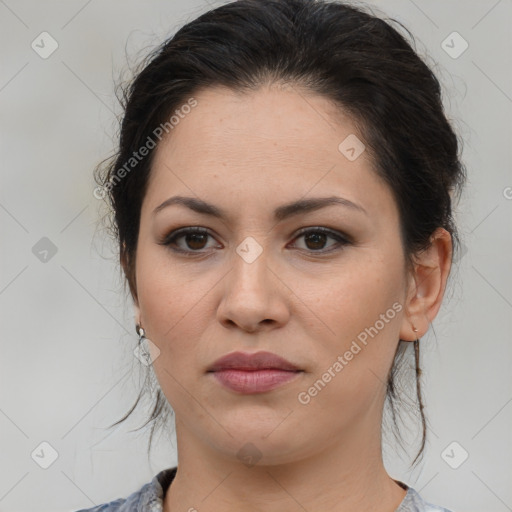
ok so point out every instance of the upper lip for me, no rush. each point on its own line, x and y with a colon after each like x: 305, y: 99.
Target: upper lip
x: 255, y: 361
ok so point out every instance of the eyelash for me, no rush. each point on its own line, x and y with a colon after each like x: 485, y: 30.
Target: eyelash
x: 171, y: 238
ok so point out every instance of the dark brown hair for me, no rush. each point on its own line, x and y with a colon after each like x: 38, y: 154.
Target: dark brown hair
x: 345, y: 53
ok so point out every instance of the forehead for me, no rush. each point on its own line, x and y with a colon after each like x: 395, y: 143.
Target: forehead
x: 274, y: 141
x: 276, y: 120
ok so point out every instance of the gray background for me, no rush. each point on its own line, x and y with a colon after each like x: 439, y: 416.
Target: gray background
x: 67, y: 368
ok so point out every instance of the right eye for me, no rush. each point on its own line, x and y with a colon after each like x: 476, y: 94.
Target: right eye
x: 194, y: 240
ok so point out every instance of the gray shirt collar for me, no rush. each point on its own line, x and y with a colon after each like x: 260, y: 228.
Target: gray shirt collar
x: 150, y: 498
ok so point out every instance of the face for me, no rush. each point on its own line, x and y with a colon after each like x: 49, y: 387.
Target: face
x: 323, y: 288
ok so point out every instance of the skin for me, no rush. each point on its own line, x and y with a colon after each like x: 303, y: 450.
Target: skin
x: 249, y: 153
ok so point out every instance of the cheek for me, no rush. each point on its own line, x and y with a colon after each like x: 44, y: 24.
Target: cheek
x: 170, y: 305
x: 352, y: 296
x: 169, y: 294
x: 171, y: 312
x: 362, y: 308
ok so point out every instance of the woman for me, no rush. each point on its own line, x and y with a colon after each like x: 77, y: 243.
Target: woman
x: 282, y: 198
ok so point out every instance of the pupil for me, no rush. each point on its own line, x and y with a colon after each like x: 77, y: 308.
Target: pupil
x: 194, y: 237
x: 317, y: 238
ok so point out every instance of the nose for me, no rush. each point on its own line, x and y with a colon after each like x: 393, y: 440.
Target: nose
x: 254, y: 297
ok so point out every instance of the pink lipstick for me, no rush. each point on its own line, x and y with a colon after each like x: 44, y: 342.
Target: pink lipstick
x: 253, y: 373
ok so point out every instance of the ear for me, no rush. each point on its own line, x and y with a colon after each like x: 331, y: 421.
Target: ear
x: 123, y: 259
x: 427, y: 283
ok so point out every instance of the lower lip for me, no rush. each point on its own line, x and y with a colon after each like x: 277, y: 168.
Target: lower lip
x: 254, y: 381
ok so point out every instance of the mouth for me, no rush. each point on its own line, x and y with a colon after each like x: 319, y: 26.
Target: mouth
x: 253, y: 373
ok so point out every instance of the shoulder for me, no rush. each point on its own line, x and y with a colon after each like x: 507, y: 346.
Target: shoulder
x: 133, y: 503
x: 149, y: 498
x: 413, y: 502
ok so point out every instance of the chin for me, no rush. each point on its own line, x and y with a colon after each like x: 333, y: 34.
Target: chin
x: 258, y: 442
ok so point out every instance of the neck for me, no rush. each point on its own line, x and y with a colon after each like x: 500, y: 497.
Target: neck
x: 344, y: 477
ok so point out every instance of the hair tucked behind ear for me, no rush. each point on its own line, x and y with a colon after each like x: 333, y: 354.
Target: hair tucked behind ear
x: 359, y: 61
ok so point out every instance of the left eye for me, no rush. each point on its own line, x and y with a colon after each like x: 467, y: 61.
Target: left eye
x: 316, y: 237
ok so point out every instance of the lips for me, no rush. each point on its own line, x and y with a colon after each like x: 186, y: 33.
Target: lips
x: 253, y: 373
x: 251, y: 362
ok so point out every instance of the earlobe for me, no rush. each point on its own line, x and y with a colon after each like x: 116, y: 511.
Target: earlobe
x: 427, y: 286
x: 137, y: 315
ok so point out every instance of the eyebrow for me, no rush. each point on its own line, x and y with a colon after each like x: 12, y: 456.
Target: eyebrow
x: 280, y: 213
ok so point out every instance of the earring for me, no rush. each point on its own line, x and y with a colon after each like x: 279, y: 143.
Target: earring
x: 142, y: 350
x: 415, y: 330
x: 147, y: 352
x: 141, y: 333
